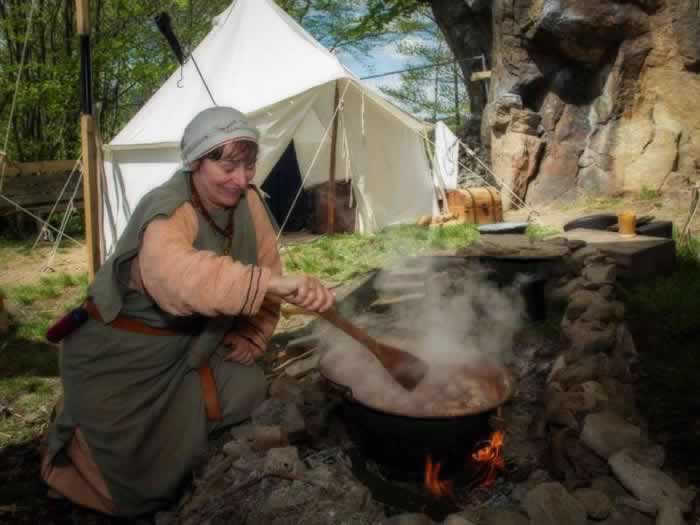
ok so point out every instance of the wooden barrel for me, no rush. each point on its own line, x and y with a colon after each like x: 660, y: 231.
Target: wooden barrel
x: 476, y: 205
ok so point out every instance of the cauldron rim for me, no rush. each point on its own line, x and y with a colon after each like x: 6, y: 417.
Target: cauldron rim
x: 345, y: 392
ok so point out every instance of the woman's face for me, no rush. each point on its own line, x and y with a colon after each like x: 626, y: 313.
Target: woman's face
x: 224, y: 174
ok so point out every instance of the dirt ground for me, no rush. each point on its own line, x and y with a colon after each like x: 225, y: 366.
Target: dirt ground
x: 28, y: 266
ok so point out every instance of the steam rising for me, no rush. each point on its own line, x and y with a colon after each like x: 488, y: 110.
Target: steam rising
x: 463, y: 328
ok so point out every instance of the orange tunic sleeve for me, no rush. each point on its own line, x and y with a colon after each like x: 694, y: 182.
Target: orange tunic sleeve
x: 183, y: 280
x: 253, y: 331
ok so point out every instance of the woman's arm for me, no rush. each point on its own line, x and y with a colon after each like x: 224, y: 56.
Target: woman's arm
x: 249, y: 337
x: 183, y: 280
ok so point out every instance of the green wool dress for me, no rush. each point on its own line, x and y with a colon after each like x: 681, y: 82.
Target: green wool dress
x: 137, y: 398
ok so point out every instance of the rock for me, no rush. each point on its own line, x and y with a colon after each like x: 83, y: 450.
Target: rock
x: 562, y: 294
x: 588, y: 368
x: 597, y: 504
x: 599, y: 273
x: 285, y: 388
x: 283, y: 461
x: 649, y: 485
x: 408, y: 519
x: 595, y: 395
x: 606, y: 433
x: 503, y: 517
x: 237, y: 449
x: 588, y: 337
x: 652, y: 456
x: 275, y: 412
x: 558, y: 365
x: 627, y: 516
x: 538, y: 476
x: 524, y: 121
x: 551, y: 504
x: 289, y: 496
x: 556, y: 179
x: 609, y: 486
x: 165, y: 518
x: 499, y: 113
x: 456, y: 519
x: 561, y: 407
x: 670, y: 514
x: 625, y: 359
x: 267, y: 437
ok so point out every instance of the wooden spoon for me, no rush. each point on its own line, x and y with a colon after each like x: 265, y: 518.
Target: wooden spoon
x: 407, y: 369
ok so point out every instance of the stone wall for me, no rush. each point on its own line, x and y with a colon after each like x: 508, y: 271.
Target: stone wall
x: 594, y: 96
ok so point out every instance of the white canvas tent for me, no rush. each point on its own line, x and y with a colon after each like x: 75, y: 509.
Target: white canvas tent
x: 260, y: 61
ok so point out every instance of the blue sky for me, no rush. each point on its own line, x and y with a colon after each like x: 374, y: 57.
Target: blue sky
x: 384, y: 58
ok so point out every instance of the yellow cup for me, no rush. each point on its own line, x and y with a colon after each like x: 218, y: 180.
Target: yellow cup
x: 627, y: 223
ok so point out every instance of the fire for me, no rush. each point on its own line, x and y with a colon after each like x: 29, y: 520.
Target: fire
x: 491, y: 455
x: 433, y: 483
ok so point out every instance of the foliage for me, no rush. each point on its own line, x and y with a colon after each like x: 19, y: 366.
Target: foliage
x: 540, y: 231
x: 435, y: 87
x: 131, y: 59
x: 341, y: 257
x: 664, y: 314
x: 649, y: 194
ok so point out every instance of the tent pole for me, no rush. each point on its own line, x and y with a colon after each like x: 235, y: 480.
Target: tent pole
x: 87, y: 139
x: 331, y: 175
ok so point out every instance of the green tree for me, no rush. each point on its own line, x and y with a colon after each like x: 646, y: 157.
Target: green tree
x: 434, y: 87
x: 131, y: 60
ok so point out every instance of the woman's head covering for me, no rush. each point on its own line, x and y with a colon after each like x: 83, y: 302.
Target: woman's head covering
x: 211, y: 128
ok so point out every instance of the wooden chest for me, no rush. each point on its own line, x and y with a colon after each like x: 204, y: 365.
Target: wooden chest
x: 476, y: 205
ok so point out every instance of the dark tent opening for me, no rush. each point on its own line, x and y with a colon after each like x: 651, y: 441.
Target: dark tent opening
x: 281, y: 186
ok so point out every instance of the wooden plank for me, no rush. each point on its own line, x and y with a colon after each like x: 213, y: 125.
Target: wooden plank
x: 42, y: 167
x: 331, y: 176
x: 37, y: 191
x: 90, y: 200
x: 82, y: 17
x: 480, y: 75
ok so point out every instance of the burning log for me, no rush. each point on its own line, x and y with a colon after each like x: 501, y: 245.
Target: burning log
x: 436, y: 486
x: 491, y: 455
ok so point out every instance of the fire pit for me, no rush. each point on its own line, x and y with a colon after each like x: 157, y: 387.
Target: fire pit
x: 446, y: 418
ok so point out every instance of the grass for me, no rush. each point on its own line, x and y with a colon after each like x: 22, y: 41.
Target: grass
x: 649, y: 194
x: 664, y: 315
x: 28, y: 365
x: 536, y: 232
x: 592, y: 203
x: 341, y: 257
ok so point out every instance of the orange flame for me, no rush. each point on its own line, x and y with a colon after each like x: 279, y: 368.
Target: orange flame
x: 433, y: 483
x: 491, y: 454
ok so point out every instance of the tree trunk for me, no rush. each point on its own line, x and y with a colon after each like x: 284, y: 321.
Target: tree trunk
x: 467, y: 29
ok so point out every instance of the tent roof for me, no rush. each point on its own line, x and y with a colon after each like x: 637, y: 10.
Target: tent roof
x: 246, y: 68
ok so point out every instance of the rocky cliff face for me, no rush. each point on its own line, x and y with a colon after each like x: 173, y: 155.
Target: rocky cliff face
x: 591, y: 96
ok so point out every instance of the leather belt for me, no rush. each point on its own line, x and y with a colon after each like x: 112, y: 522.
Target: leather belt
x: 206, y: 375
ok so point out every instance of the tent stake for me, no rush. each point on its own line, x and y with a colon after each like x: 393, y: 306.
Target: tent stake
x: 87, y: 139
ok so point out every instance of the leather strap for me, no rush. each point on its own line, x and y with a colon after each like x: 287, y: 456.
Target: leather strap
x: 206, y: 376
x: 210, y: 393
x: 127, y: 324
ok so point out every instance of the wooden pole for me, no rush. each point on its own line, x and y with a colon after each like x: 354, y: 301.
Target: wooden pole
x: 331, y: 175
x: 87, y: 139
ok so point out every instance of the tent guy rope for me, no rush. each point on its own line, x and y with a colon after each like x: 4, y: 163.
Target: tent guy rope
x: 38, y: 219
x: 315, y: 158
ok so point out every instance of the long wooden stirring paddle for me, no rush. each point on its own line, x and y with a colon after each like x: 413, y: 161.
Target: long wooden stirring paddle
x: 407, y: 369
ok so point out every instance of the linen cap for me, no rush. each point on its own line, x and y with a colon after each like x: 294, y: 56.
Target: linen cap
x: 211, y: 128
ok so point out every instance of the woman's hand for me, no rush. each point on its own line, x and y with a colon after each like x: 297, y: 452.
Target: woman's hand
x: 304, y: 291
x: 244, y: 352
